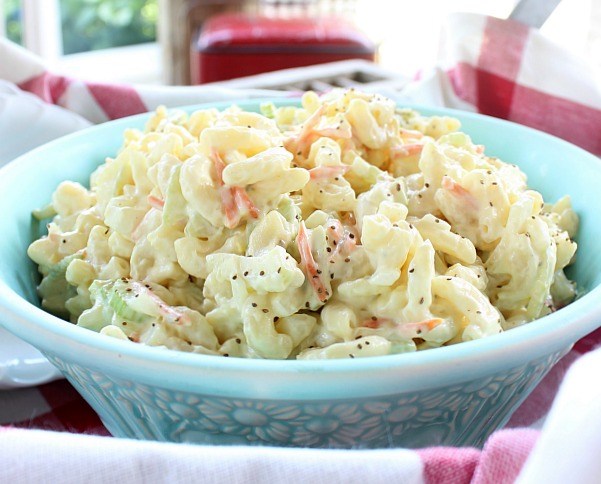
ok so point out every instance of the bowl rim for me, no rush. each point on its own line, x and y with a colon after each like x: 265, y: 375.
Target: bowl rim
x: 564, y: 333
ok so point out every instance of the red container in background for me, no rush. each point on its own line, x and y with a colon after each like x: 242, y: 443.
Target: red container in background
x: 235, y: 45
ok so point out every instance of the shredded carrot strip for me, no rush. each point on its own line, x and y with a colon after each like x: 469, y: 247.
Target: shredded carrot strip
x: 297, y: 143
x: 136, y: 233
x: 243, y: 201
x: 326, y: 172
x: 170, y: 313
x: 345, y: 242
x: 155, y: 202
x: 459, y: 192
x: 311, y: 122
x: 307, y: 260
x: 403, y: 151
x: 428, y: 324
x: 232, y: 215
x: 410, y: 133
x: 335, y: 132
x: 235, y: 200
x: 335, y: 229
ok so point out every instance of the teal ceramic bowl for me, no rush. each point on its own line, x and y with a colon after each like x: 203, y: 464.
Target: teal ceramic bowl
x: 454, y: 395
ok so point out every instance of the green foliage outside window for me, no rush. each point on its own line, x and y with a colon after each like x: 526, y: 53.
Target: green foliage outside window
x: 95, y: 24
x: 101, y: 24
x: 12, y: 12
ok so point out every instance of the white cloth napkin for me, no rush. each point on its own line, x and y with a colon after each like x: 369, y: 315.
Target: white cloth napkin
x: 89, y: 459
x: 569, y: 446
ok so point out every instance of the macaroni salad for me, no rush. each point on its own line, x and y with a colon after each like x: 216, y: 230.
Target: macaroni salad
x: 343, y: 228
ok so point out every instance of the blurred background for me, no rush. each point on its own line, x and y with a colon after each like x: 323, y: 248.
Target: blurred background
x: 163, y: 41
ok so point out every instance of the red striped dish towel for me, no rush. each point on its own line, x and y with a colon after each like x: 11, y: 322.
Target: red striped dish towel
x: 505, y: 69
x: 102, y: 102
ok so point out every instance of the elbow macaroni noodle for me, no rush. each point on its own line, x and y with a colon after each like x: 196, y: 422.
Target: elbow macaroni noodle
x: 343, y: 228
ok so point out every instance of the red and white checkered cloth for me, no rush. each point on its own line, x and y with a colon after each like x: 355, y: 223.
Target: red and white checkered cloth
x: 493, y: 66
x: 505, y: 69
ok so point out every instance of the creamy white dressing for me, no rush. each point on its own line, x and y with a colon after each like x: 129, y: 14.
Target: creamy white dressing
x: 339, y: 229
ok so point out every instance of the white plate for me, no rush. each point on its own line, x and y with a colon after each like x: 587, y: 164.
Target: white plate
x: 21, y: 365
x: 27, y: 122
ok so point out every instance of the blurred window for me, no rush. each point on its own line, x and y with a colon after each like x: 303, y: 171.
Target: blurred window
x: 12, y: 27
x: 101, y: 24
x: 81, y: 25
x: 94, y: 38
